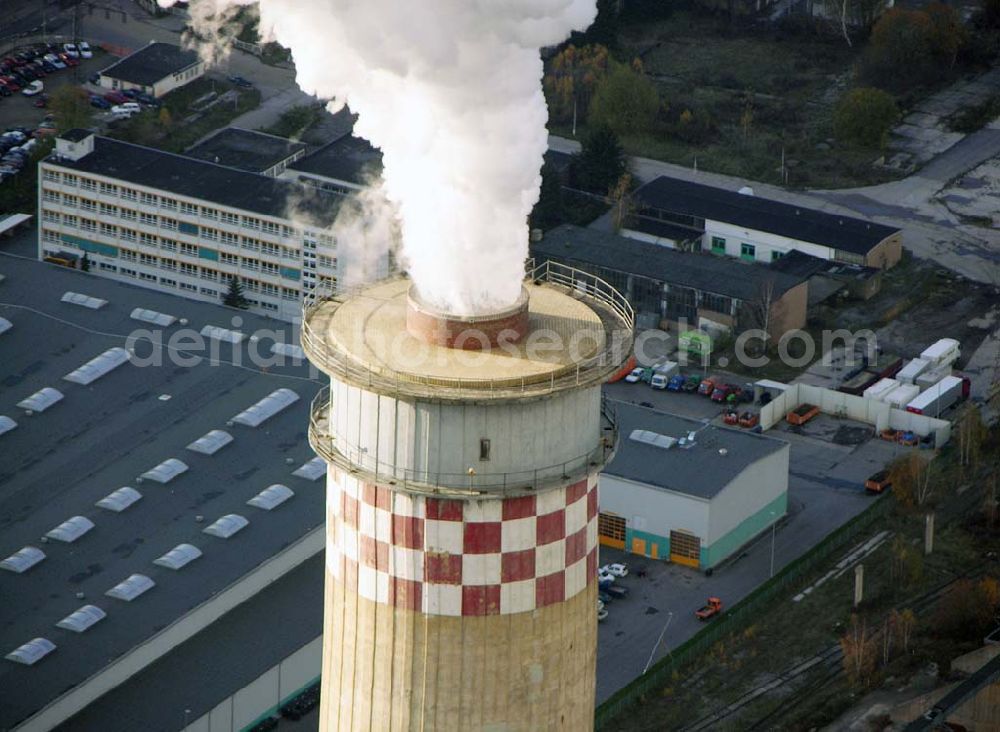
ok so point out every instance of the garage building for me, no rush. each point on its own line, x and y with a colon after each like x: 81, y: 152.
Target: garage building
x: 689, y: 492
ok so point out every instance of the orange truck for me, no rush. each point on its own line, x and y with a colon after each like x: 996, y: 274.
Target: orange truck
x: 710, y: 609
x: 802, y: 414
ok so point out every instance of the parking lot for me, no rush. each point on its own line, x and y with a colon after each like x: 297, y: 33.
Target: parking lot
x: 18, y: 110
x: 825, y: 490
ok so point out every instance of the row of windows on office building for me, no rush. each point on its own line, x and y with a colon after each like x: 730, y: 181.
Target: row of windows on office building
x: 166, y: 203
x: 167, y: 244
x: 192, y: 270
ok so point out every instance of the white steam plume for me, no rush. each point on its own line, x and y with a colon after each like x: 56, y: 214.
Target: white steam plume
x: 450, y: 91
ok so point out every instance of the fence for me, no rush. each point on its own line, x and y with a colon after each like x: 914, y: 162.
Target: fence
x: 740, y: 616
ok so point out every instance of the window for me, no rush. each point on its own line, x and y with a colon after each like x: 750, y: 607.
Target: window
x: 230, y: 218
x: 168, y: 203
x: 250, y: 243
x: 776, y: 255
x: 209, y: 234
x: 50, y: 175
x: 748, y: 251
x: 168, y: 245
x: 128, y: 272
x: 168, y: 282
x: 109, y: 189
x: 126, y: 255
x: 269, y: 289
x: 51, y: 216
x: 325, y: 261
x: 109, y: 267
x: 270, y: 228
x: 146, y: 276
x: 186, y: 286
x: 189, y: 250
x: 209, y: 291
x: 129, y: 194
x: 150, y: 240
x: 109, y: 210
x: 88, y: 184
x: 484, y: 449
x: 147, y: 259
x: 88, y: 225
x: 189, y: 208
x: 51, y: 196
x: 168, y: 264
x: 109, y: 230
x: 718, y: 245
x: 70, y: 180
x: 127, y: 234
x: 50, y: 235
x: 251, y: 223
x: 129, y: 215
x: 251, y: 285
x: 209, y: 213
x: 268, y: 248
x: 189, y: 269
x: 251, y: 264
x: 88, y: 205
x: 70, y: 220
x: 209, y: 274
x: 231, y: 259
x: 167, y: 223
x: 289, y: 294
x: 70, y: 201
x: 228, y: 238
x: 147, y: 218
x: 148, y: 198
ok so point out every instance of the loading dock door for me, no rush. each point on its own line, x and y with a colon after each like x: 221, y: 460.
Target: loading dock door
x: 685, y: 548
x: 611, y: 530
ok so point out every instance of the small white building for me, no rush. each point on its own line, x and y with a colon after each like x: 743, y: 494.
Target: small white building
x: 684, y: 215
x: 686, y: 491
x: 154, y: 69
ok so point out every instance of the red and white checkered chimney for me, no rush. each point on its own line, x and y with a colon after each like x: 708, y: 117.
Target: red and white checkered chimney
x: 461, y: 509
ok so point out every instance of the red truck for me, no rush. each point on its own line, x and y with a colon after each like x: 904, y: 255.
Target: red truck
x: 707, y: 386
x: 802, y: 414
x: 710, y: 609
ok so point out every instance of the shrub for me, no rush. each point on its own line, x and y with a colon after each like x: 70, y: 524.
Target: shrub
x: 864, y: 117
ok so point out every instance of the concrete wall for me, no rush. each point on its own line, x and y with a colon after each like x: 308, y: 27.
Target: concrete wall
x: 764, y: 242
x: 265, y: 695
x: 428, y: 438
x: 762, y: 483
x: 878, y: 414
x: 886, y: 253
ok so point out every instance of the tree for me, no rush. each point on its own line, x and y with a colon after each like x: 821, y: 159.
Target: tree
x: 71, y: 108
x: 947, y: 32
x: 548, y: 212
x: 85, y: 263
x: 625, y: 100
x: 971, y: 435
x: 570, y: 79
x: 968, y: 609
x: 604, y: 29
x: 165, y: 119
x: 864, y: 117
x: 859, y: 651
x: 760, y: 312
x: 903, y: 624
x: 600, y: 163
x: 911, y: 47
x: 906, y: 564
x: 234, y: 297
x: 622, y: 206
x: 910, y: 476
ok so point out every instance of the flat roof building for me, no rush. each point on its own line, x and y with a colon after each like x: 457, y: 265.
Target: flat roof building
x: 664, y: 284
x: 679, y: 213
x: 254, y: 152
x: 186, y: 226
x: 155, y: 69
x: 689, y: 491
x: 61, y: 464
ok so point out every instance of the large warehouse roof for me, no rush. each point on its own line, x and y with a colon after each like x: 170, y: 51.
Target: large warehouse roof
x: 58, y: 464
x: 151, y: 63
x: 581, y: 247
x: 701, y: 467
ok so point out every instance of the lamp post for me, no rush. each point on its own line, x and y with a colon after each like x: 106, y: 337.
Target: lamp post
x: 670, y: 616
x: 774, y: 528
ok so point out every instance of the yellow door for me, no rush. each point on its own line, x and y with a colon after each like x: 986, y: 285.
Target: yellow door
x: 638, y: 546
x: 685, y: 548
x: 611, y: 530
x: 654, y: 551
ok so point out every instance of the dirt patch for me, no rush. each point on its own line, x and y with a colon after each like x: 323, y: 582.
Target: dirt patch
x: 848, y: 435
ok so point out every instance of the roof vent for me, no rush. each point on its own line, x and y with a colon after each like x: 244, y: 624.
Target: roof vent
x: 723, y: 451
x: 655, y: 439
x: 82, y: 619
x: 23, y: 559
x: 131, y: 588
x: 226, y: 526
x: 746, y: 191
x: 32, y: 651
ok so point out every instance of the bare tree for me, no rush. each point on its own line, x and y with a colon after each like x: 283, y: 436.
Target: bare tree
x: 859, y: 651
x: 903, y: 624
x: 622, y: 205
x: 762, y: 310
x: 910, y: 476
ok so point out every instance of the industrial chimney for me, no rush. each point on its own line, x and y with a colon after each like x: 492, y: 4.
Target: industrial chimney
x: 461, y: 587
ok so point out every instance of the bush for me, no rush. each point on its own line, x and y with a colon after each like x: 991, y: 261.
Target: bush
x: 912, y: 47
x: 625, y: 100
x: 976, y: 117
x: 864, y: 117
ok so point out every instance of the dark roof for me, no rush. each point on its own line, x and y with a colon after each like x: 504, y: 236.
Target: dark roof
x: 56, y: 464
x: 348, y: 158
x: 77, y: 134
x: 206, y: 181
x: 247, y: 150
x: 151, y: 63
x: 706, y: 272
x: 699, y: 471
x: 806, y: 265
x: 762, y: 214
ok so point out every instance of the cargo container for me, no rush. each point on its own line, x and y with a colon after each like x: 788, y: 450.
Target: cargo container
x: 943, y: 353
x: 938, y: 398
x: 902, y: 395
x: 909, y: 373
x: 929, y: 378
x: 880, y: 389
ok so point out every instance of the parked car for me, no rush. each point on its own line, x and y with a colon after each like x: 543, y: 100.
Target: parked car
x: 710, y: 609
x: 635, y: 375
x: 707, y: 386
x: 71, y: 50
x: 11, y: 83
x: 131, y: 106
x: 617, y: 569
x: 148, y: 99
x: 4, y: 90
x: 69, y: 60
x: 99, y: 102
x: 240, y: 82
x: 676, y: 382
x: 602, y: 613
x: 726, y: 393
x: 33, y: 88
x: 123, y: 112
x: 42, y: 101
x: 879, y: 482
x: 49, y: 67
x: 94, y: 78
x: 84, y: 49
x: 116, y: 97
x: 131, y: 93
x: 18, y: 136
x: 692, y: 384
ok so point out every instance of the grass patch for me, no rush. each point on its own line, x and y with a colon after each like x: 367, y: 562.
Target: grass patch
x: 974, y: 118
x: 294, y: 122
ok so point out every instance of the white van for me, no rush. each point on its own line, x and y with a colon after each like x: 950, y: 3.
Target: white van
x: 131, y: 106
x: 122, y: 112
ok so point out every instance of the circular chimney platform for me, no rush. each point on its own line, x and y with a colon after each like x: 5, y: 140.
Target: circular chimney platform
x: 467, y: 332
